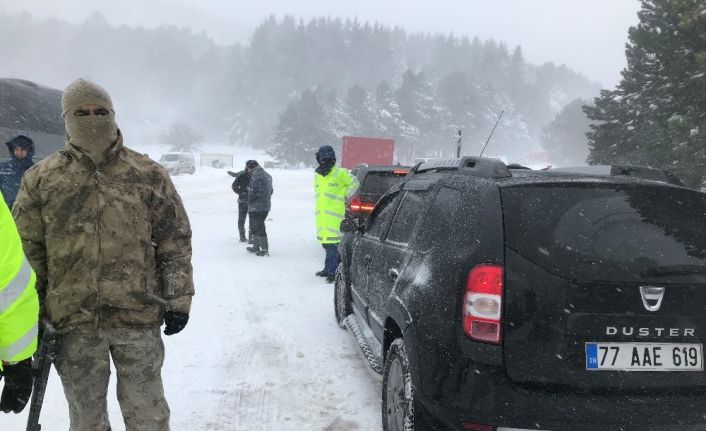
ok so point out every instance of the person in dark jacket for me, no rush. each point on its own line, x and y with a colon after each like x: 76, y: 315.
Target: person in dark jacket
x: 259, y: 198
x: 11, y: 172
x: 240, y: 187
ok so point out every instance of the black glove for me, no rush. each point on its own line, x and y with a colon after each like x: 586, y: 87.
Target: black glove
x: 174, y: 322
x: 18, y: 386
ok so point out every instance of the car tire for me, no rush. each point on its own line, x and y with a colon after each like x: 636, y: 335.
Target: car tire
x: 192, y: 171
x: 341, y: 297
x: 400, y: 409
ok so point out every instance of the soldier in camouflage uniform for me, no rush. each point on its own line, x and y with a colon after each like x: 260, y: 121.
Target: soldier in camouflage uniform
x: 108, y: 237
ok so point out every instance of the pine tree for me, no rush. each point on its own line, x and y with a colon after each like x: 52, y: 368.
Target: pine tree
x: 416, y: 100
x: 565, y: 137
x: 307, y: 123
x: 181, y: 137
x: 362, y: 113
x: 656, y: 114
x: 391, y: 120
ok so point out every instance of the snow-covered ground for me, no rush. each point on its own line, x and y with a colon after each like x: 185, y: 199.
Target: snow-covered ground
x: 262, y: 350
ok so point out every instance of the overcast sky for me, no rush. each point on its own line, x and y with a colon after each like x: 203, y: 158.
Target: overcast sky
x: 587, y: 35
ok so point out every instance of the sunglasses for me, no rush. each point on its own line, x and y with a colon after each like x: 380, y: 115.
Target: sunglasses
x: 81, y: 112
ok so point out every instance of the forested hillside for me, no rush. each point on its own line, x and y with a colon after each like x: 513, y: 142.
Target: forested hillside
x: 297, y: 85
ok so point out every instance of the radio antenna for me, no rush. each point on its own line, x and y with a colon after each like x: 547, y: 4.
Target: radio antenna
x: 491, y: 133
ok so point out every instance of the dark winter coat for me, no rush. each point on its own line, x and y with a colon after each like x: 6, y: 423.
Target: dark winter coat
x: 240, y: 185
x: 12, y: 171
x: 259, y: 191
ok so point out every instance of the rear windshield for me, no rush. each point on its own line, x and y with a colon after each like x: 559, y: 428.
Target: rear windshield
x: 377, y: 183
x: 609, y: 232
x: 170, y: 158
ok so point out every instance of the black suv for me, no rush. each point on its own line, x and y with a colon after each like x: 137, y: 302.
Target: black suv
x: 374, y: 182
x: 490, y: 298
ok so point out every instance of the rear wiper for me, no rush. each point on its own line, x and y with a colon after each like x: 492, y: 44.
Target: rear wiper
x: 662, y: 270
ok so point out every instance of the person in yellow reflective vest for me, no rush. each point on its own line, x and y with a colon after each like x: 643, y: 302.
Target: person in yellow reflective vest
x: 333, y: 185
x: 19, y: 314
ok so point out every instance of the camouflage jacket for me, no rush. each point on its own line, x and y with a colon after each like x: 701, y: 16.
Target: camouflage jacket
x: 110, y: 246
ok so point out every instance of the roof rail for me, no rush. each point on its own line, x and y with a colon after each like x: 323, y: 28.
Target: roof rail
x: 479, y: 166
x: 643, y: 172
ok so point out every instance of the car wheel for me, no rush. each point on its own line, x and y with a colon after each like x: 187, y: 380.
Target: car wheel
x: 193, y: 170
x: 400, y: 409
x: 341, y: 297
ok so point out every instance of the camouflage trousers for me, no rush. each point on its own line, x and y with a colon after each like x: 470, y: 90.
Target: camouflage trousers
x: 83, y: 365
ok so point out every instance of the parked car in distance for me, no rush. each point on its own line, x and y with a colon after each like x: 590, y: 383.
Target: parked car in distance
x: 374, y: 182
x: 491, y: 299
x: 178, y: 163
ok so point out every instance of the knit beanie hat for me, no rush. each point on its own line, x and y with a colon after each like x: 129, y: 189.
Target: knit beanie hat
x: 82, y: 92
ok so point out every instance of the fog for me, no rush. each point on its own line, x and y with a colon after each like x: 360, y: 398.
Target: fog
x: 238, y: 73
x: 586, y: 35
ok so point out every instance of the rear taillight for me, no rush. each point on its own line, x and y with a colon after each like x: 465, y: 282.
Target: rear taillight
x: 482, y: 304
x: 357, y: 205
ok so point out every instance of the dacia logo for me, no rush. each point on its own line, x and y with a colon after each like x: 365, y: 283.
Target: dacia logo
x: 333, y: 184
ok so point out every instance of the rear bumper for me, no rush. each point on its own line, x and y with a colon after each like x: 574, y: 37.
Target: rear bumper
x: 360, y: 215
x: 484, y: 395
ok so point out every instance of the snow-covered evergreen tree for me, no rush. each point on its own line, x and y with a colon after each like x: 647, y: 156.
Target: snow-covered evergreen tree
x: 308, y: 122
x: 656, y: 114
x: 565, y: 138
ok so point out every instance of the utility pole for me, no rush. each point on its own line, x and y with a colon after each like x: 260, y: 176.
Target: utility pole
x: 458, y: 145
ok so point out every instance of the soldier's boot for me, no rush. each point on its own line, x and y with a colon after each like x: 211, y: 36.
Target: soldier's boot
x: 264, y: 247
x: 242, y: 236
x: 255, y: 244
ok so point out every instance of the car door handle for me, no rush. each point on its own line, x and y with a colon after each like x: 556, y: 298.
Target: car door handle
x: 393, y: 273
x: 367, y: 258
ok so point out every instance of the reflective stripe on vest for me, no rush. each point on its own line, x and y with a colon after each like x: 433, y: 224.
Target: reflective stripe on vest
x: 18, y: 346
x: 334, y: 214
x: 16, y: 287
x: 335, y: 198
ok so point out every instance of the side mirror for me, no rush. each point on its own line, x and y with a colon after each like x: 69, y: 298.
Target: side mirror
x: 350, y: 225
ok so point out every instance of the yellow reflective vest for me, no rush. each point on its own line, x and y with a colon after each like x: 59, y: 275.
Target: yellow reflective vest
x: 19, y: 304
x: 331, y: 192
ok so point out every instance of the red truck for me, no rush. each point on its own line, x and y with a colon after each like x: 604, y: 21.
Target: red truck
x: 369, y: 151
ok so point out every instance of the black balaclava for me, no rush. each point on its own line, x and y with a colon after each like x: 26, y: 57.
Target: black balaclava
x: 326, y: 158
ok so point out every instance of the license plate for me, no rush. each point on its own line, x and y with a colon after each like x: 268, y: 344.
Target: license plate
x: 644, y: 357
